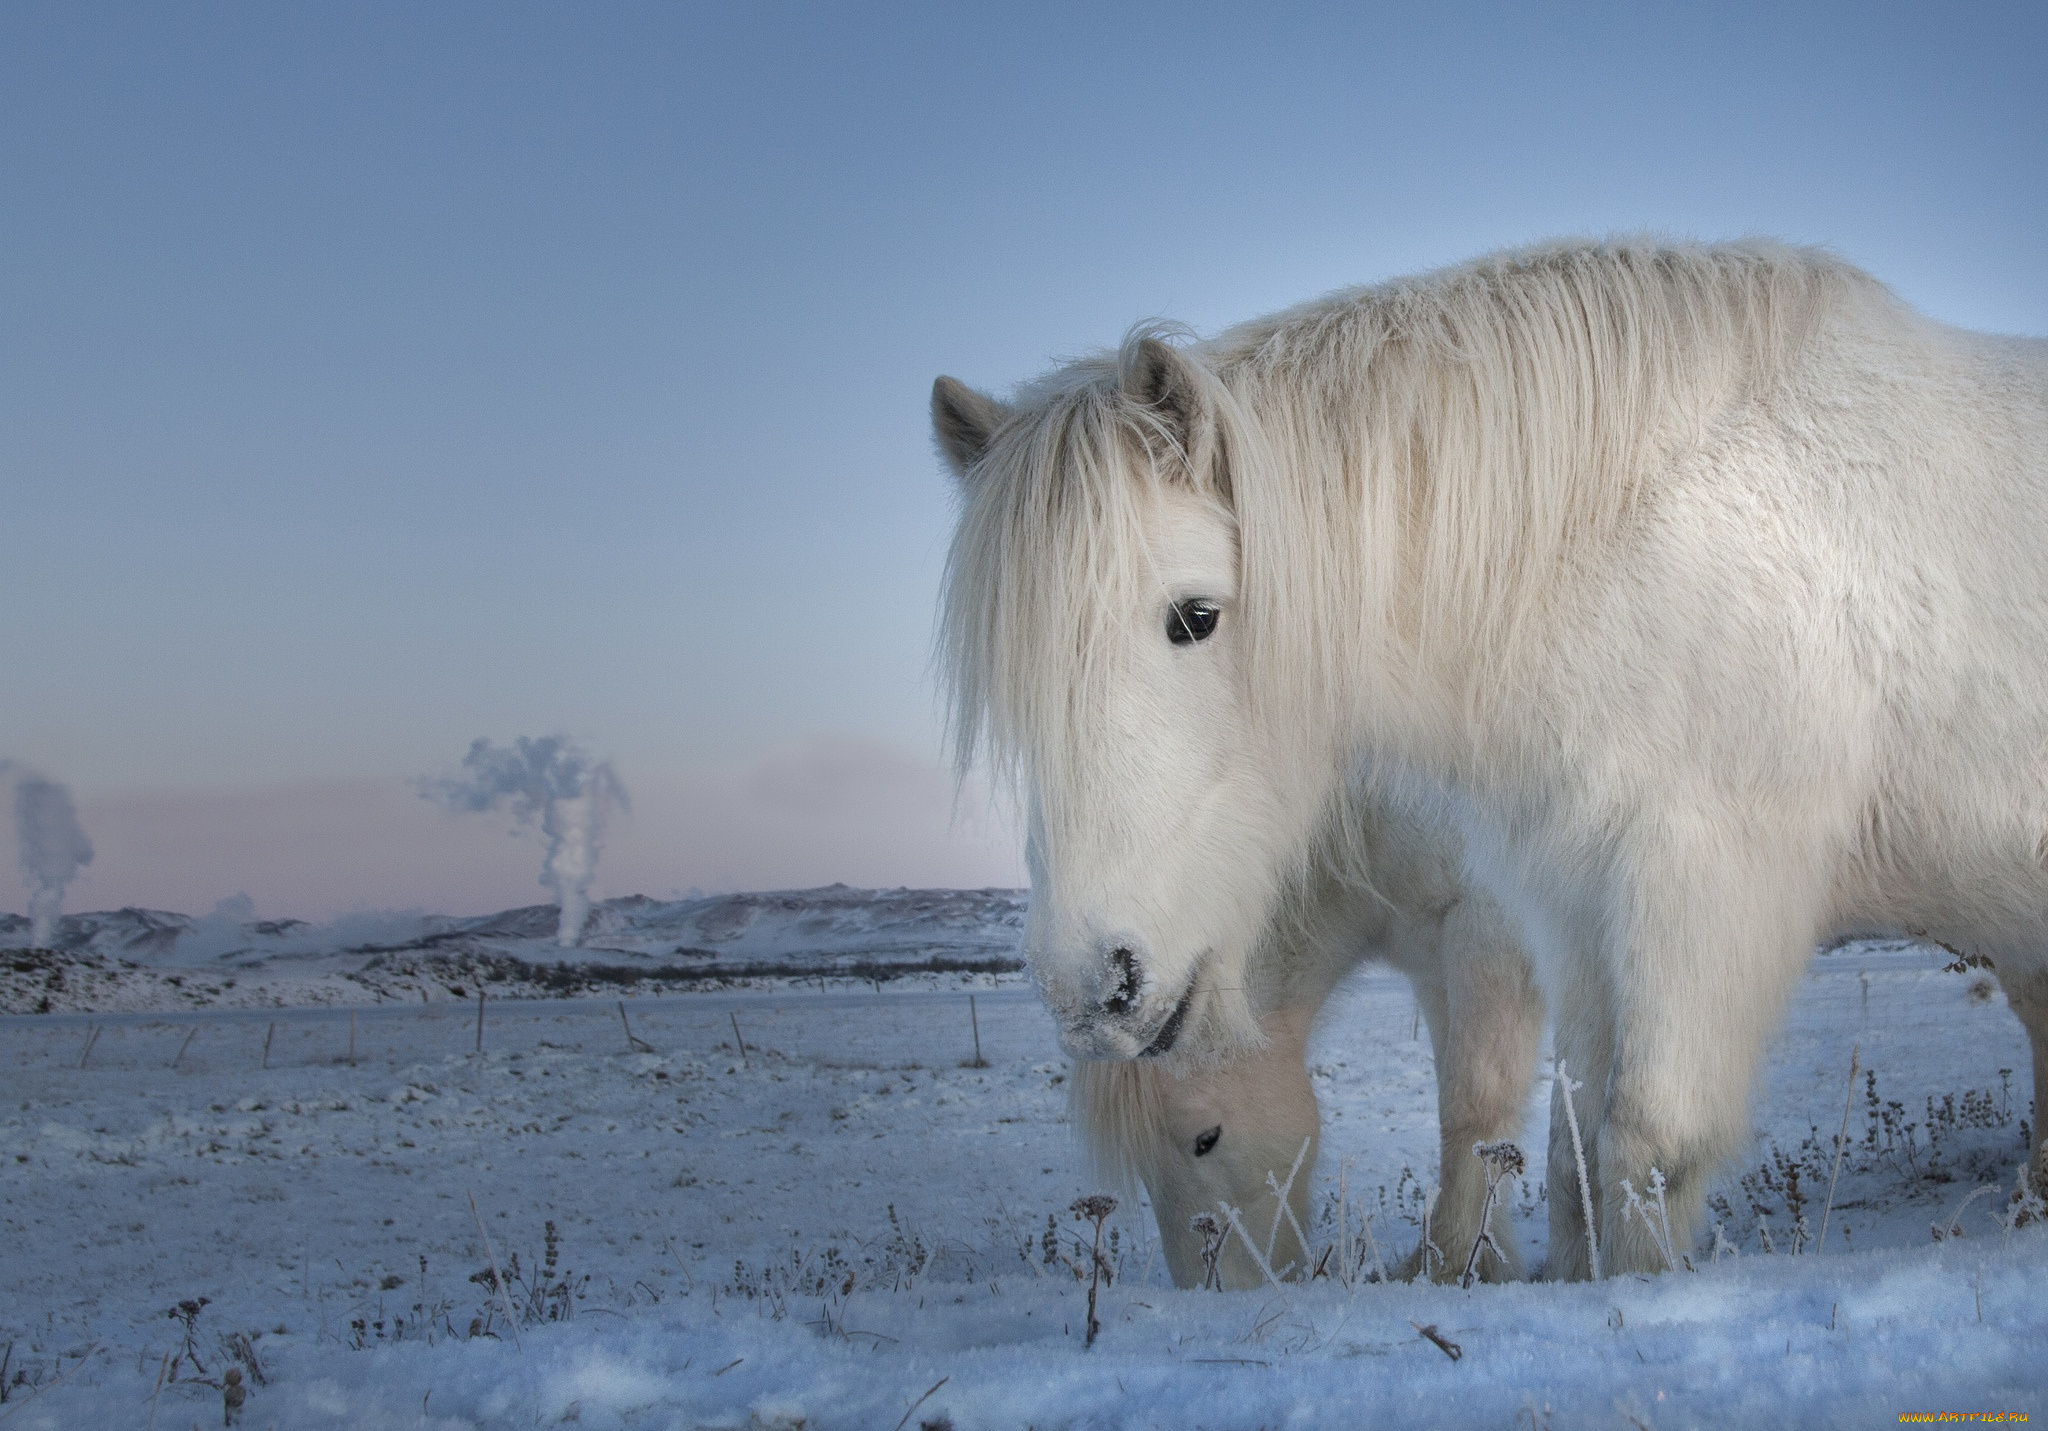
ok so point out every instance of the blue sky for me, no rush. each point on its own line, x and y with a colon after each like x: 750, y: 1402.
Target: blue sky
x: 380, y: 377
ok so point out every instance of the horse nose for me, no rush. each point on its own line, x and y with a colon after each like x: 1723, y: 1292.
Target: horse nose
x: 1123, y: 979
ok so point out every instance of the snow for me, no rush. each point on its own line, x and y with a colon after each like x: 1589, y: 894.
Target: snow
x: 852, y: 1214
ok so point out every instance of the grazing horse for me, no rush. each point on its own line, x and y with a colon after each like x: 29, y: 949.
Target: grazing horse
x: 1208, y: 1129
x: 1691, y: 601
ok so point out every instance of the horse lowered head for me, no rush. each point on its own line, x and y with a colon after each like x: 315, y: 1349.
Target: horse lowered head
x: 1096, y: 655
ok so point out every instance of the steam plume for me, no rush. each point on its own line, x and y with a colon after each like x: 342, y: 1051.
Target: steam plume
x: 53, y: 846
x: 548, y: 780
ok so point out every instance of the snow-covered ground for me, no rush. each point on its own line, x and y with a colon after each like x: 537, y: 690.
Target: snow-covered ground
x: 849, y: 1215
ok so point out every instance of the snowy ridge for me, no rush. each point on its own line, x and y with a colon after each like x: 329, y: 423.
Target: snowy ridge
x: 140, y: 959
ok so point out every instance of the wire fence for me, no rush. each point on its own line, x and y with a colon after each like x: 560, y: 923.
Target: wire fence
x: 743, y: 1028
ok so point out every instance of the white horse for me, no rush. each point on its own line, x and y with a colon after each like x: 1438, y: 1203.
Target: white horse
x: 1702, y: 591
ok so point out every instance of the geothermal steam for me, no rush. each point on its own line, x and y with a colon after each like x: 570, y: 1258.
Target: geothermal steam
x: 53, y: 847
x: 551, y: 782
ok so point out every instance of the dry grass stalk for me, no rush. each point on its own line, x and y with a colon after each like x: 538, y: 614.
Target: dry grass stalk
x: 1443, y: 1343
x: 1372, y: 1244
x: 1637, y: 1206
x: 490, y: 1252
x: 1428, y: 1248
x: 1282, y: 1207
x: 1841, y: 1139
x: 52, y: 1385
x: 1344, y: 1221
x: 162, y: 1368
x: 913, y: 1405
x: 1350, y: 1261
x: 1954, y: 1226
x: 1258, y: 1257
x: 1571, y: 1118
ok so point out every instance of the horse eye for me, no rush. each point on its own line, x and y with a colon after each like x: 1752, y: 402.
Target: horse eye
x: 1192, y: 620
x: 1205, y: 1141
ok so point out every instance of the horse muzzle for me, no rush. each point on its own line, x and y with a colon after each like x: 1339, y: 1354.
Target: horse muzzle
x: 1128, y: 1015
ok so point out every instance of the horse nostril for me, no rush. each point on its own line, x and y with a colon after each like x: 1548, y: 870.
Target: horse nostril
x: 1123, y: 981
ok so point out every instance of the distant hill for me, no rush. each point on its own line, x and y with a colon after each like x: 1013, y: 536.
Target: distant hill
x: 149, y: 958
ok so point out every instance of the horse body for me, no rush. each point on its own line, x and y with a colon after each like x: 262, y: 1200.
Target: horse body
x: 1695, y: 598
x: 1806, y: 696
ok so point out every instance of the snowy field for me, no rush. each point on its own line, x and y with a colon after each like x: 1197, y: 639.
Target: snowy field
x: 847, y: 1226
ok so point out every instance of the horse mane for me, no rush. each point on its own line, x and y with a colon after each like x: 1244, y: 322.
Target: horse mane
x: 1051, y: 551
x: 1119, y: 1110
x: 1443, y: 453
x: 1415, y: 470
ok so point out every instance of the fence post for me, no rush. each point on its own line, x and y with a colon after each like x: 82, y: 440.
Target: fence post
x: 634, y: 1043
x: 737, y: 1039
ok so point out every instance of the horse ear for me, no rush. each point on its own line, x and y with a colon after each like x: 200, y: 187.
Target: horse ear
x: 1159, y: 376
x: 1155, y: 375
x: 963, y: 421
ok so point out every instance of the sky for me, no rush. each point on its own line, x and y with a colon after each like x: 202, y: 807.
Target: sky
x: 378, y: 378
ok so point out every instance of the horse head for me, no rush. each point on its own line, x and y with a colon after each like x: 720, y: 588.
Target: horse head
x: 1093, y: 639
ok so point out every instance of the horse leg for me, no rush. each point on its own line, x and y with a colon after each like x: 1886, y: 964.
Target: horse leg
x: 1485, y: 1025
x: 1210, y: 1137
x: 2026, y: 991
x: 1712, y: 961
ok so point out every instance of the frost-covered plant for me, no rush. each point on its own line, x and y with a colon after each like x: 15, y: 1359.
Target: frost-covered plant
x: 1504, y: 1163
x: 1212, y: 1232
x: 2025, y: 1205
x: 1910, y: 1155
x: 186, y: 1315
x: 1567, y: 1087
x: 546, y: 1293
x: 1341, y: 1256
x: 1431, y: 1255
x: 1235, y: 1221
x: 893, y: 1261
x: 1953, y: 1227
x: 1658, y: 1227
x: 1283, y: 1206
x: 430, y: 1317
x: 1095, y: 1209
